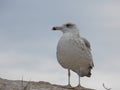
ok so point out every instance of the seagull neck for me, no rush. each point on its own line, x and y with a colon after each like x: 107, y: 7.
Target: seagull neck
x: 72, y: 34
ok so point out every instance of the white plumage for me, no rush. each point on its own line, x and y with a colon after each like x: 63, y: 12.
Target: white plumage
x: 74, y: 52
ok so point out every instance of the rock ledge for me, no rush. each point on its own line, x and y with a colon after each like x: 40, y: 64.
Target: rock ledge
x: 31, y: 85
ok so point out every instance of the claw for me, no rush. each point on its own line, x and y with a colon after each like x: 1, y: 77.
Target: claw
x: 68, y: 86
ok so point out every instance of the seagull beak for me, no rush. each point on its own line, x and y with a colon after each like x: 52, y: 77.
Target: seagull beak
x: 57, y: 28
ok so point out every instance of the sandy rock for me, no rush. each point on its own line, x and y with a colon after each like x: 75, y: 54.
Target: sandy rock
x: 30, y: 85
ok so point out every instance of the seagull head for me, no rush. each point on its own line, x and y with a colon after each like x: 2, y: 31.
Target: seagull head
x: 67, y: 28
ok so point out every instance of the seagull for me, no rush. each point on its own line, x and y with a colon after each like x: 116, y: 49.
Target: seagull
x: 74, y: 52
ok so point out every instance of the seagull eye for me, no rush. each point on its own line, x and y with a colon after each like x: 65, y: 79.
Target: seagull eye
x: 68, y: 25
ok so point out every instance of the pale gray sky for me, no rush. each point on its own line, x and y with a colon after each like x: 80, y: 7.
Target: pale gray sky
x: 28, y: 45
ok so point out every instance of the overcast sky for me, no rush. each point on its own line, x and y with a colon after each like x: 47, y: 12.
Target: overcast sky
x: 28, y: 45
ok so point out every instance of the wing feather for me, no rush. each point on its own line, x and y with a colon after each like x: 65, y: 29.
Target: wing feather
x: 87, y: 43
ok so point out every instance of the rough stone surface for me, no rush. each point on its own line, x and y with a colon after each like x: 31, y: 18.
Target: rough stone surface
x: 31, y: 85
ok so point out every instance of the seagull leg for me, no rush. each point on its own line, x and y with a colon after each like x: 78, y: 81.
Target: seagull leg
x: 79, y: 85
x: 79, y: 81
x: 68, y: 86
x: 69, y: 77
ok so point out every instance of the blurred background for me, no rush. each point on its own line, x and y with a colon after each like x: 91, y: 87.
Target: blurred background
x: 28, y: 45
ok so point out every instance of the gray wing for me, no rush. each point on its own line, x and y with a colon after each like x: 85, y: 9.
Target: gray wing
x: 87, y: 44
x: 86, y: 55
